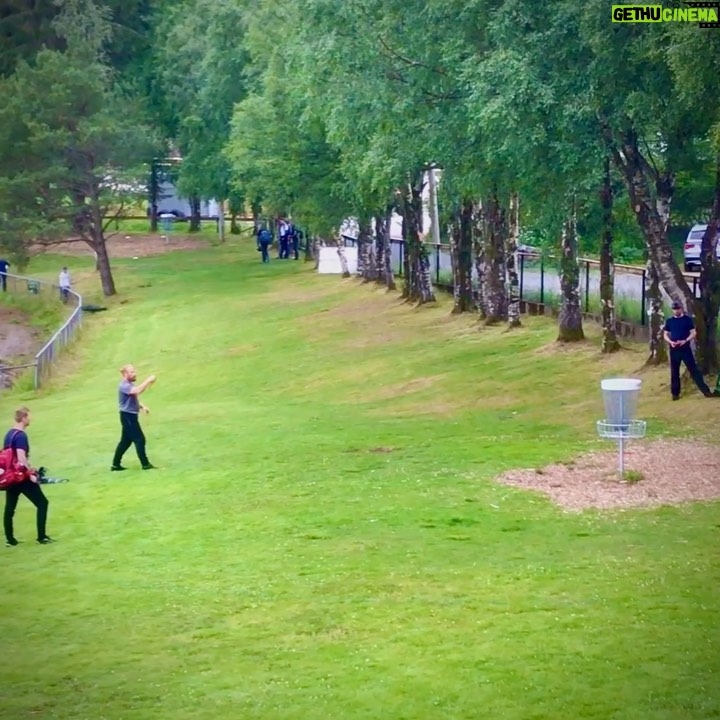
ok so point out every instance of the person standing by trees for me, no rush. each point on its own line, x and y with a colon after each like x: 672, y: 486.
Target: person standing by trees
x: 283, y: 238
x: 64, y: 284
x: 4, y: 265
x: 293, y: 239
x: 679, y: 332
x: 264, y: 238
x: 17, y: 439
x: 130, y: 407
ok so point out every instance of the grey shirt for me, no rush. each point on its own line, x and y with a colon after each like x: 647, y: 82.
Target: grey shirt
x: 128, y: 403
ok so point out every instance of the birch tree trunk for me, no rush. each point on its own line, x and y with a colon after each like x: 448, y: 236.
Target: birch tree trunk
x: 360, y: 243
x: 708, y: 305
x: 387, y: 243
x: 610, y: 342
x: 413, y: 209
x: 570, y: 321
x: 422, y: 290
x: 460, y: 233
x: 425, y: 288
x: 479, y: 251
x: 494, y: 236
x: 511, y: 263
x: 371, y: 274
x: 652, y: 215
x: 316, y: 245
x: 343, y: 258
x: 402, y: 210
x: 465, y: 254
x: 365, y: 233
x: 195, y: 224
x: 454, y: 235
x: 379, y: 250
x: 657, y: 350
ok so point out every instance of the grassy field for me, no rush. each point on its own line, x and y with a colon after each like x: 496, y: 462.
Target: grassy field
x: 324, y: 538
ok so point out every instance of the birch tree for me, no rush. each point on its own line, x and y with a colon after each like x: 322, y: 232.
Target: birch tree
x: 70, y: 143
x: 610, y: 342
x: 511, y: 262
x: 570, y: 319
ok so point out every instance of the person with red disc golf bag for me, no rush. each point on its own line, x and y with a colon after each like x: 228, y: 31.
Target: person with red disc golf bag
x: 18, y: 478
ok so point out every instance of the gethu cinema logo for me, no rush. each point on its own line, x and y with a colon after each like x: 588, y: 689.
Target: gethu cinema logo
x: 707, y: 16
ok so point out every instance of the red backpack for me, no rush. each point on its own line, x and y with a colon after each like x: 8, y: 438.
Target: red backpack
x: 10, y: 472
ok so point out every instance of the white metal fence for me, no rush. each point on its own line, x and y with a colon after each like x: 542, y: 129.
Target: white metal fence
x: 19, y: 285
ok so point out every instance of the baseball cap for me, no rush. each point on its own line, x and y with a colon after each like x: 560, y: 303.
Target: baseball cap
x: 676, y: 304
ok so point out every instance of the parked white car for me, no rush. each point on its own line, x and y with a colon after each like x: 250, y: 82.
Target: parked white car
x: 691, y: 250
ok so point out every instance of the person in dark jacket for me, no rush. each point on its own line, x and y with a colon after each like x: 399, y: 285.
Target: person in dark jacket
x: 17, y: 439
x: 293, y: 239
x: 4, y: 265
x: 264, y: 239
x: 679, y: 332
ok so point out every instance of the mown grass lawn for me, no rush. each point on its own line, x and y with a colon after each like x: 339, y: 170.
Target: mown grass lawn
x: 324, y: 538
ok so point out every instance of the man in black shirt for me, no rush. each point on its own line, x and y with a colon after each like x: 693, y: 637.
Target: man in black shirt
x: 17, y: 439
x: 679, y: 332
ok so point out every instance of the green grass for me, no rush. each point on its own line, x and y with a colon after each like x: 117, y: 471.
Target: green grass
x: 43, y: 311
x: 325, y: 539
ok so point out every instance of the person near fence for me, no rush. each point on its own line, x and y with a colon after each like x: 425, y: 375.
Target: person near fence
x: 679, y: 332
x: 64, y: 284
x: 17, y: 439
x: 4, y: 265
x: 130, y: 408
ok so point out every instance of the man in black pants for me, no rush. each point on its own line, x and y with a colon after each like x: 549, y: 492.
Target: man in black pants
x: 679, y: 332
x: 130, y: 408
x: 17, y: 439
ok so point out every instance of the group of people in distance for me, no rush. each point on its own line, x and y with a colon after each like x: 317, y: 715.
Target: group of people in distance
x: 288, y: 238
x: 129, y: 406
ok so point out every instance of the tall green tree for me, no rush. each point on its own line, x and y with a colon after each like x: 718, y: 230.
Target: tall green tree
x: 200, y: 59
x: 71, y: 147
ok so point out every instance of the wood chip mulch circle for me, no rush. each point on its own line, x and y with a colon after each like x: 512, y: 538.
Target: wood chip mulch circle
x: 659, y: 472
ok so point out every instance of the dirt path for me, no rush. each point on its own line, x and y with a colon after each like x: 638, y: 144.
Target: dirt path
x: 124, y: 246
x: 19, y: 342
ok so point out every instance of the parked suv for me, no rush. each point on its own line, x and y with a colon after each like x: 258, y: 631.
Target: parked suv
x: 692, y: 247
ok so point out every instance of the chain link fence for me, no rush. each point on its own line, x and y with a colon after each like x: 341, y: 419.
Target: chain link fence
x: 29, y: 291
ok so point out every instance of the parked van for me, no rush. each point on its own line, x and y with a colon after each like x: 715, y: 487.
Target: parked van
x: 169, y: 202
x: 693, y: 242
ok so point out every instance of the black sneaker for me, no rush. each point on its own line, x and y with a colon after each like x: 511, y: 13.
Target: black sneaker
x: 117, y: 468
x: 676, y: 397
x: 12, y: 542
x: 44, y: 540
x: 149, y: 466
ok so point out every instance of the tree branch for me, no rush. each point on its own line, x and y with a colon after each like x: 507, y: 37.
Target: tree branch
x: 409, y: 61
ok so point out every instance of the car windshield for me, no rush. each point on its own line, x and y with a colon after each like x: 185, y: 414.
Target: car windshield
x: 697, y: 235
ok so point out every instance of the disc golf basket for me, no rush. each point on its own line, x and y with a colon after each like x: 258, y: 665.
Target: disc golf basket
x: 620, y: 396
